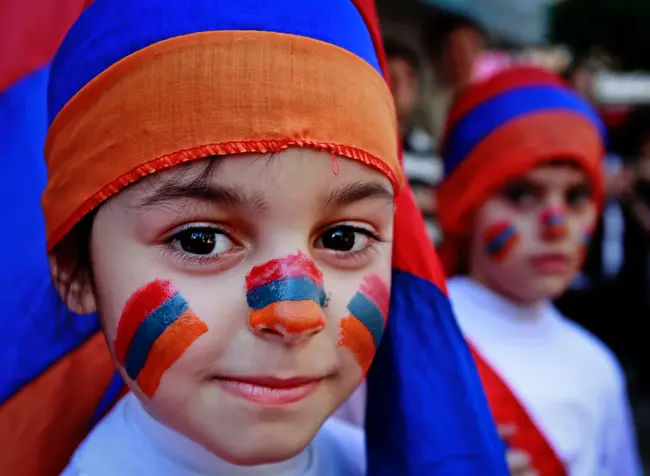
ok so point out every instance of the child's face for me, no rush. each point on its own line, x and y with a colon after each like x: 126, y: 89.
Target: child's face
x: 530, y: 239
x: 262, y: 356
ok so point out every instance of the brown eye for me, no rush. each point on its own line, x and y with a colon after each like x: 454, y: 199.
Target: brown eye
x: 519, y: 193
x: 578, y: 195
x: 201, y: 241
x: 344, y: 238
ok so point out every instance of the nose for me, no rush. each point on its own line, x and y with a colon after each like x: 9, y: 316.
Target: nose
x: 286, y: 297
x: 554, y: 224
x: 293, y: 322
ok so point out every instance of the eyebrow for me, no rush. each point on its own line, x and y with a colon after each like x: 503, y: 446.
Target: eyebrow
x: 358, y: 191
x: 214, y: 194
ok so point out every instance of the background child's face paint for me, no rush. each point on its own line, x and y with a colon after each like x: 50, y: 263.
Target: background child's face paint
x: 554, y: 224
x: 362, y: 329
x: 155, y: 329
x: 287, y: 295
x: 500, y: 239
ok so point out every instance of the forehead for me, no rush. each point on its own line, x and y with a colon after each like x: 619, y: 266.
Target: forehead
x: 556, y: 173
x: 296, y: 173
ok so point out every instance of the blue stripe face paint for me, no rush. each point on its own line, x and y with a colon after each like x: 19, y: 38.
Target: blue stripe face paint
x: 500, y: 239
x: 296, y: 288
x: 362, y: 330
x: 150, y: 330
x: 367, y: 312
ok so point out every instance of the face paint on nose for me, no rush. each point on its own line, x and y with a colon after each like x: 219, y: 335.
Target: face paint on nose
x: 155, y: 329
x: 287, y: 296
x: 500, y: 240
x: 362, y: 329
x: 554, y: 224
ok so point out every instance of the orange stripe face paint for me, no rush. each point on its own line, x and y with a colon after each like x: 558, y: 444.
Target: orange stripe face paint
x: 362, y: 329
x: 156, y: 328
x: 554, y: 224
x: 500, y: 239
x: 287, y: 295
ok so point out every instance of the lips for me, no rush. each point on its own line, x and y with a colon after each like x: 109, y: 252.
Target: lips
x: 270, y: 391
x: 551, y: 263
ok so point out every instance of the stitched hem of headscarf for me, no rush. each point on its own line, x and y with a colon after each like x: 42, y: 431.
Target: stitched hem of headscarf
x: 201, y: 152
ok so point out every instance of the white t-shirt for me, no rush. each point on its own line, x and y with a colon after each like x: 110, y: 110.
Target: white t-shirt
x: 569, y: 382
x: 129, y: 442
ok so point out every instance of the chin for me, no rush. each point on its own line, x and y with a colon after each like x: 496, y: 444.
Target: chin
x: 549, y: 287
x: 256, y: 445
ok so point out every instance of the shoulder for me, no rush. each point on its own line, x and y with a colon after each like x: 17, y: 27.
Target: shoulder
x: 462, y: 295
x: 457, y: 287
x: 102, y: 454
x: 342, y: 446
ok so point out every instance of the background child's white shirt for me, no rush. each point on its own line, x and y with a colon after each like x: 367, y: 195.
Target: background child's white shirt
x: 570, y: 383
x: 129, y: 442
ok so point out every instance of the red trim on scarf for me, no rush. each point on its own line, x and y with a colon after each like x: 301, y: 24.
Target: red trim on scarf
x: 507, y: 410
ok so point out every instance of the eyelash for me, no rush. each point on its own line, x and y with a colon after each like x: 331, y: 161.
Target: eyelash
x: 358, y: 255
x: 184, y: 257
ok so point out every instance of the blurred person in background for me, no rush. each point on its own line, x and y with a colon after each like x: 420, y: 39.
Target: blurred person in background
x: 454, y: 44
x: 580, y: 75
x: 421, y: 164
x: 522, y: 188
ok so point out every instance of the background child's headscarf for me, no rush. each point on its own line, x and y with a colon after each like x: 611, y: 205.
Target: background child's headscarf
x: 503, y: 127
x: 427, y: 413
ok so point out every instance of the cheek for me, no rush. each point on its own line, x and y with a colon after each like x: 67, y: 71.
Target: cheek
x: 155, y: 329
x: 499, y: 240
x: 585, y: 234
x: 363, y: 327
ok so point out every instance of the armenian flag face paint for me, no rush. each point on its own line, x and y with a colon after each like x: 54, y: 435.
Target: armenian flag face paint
x: 554, y: 224
x: 287, y: 297
x: 500, y: 239
x: 155, y: 329
x: 362, y: 329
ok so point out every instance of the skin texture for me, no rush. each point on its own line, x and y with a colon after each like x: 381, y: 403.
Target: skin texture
x: 205, y: 237
x: 552, y: 210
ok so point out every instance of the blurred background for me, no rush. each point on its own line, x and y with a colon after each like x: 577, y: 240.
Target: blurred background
x: 602, y: 48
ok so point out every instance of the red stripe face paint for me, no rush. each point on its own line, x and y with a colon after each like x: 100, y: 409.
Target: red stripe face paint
x: 554, y: 224
x: 362, y: 329
x: 500, y: 239
x: 287, y: 296
x: 155, y: 329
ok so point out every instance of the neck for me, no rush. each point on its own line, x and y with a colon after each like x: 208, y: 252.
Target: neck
x: 477, y: 275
